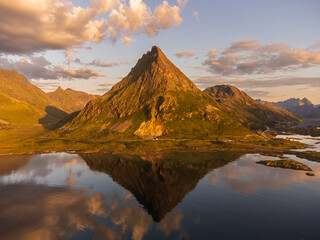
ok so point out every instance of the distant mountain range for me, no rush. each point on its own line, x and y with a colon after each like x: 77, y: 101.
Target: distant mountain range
x: 71, y: 100
x: 23, y: 103
x: 301, y: 107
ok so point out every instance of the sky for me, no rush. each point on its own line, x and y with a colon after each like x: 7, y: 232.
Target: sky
x: 269, y: 49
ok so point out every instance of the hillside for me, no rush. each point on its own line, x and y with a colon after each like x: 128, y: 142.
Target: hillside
x: 155, y: 99
x: 248, y: 111
x: 24, y: 103
x: 70, y: 100
x: 14, y: 111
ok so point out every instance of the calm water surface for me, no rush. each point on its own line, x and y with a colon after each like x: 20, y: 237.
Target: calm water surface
x: 167, y: 196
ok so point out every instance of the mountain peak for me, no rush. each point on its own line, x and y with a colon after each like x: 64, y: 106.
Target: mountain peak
x: 225, y: 91
x: 154, y: 72
x: 156, y: 49
x: 306, y: 101
x: 153, y: 100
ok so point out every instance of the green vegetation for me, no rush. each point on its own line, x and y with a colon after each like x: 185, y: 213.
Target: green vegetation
x: 313, y: 131
x: 23, y: 139
x: 15, y: 111
x: 312, y: 156
x: 289, y: 164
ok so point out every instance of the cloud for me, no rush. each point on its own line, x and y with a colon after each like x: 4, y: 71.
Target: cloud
x: 208, y: 81
x: 182, y: 3
x: 212, y: 52
x: 98, y: 63
x: 316, y: 45
x: 136, y: 17
x: 82, y: 73
x: 37, y: 67
x: 256, y: 93
x: 27, y: 26
x: 185, y: 54
x: 195, y: 14
x: 251, y: 57
x: 104, y: 87
x: 31, y: 67
x: 68, y: 54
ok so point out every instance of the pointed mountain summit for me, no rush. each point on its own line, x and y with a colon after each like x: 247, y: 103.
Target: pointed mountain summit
x: 153, y: 100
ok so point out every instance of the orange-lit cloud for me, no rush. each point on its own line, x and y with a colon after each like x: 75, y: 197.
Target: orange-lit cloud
x: 28, y: 26
x: 251, y: 57
x: 208, y: 81
x: 195, y: 14
x: 83, y: 73
x: 185, y: 54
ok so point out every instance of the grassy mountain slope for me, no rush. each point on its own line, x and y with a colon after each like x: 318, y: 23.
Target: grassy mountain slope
x: 155, y: 99
x: 70, y: 100
x: 25, y: 103
x: 248, y: 111
x: 15, y: 111
x: 17, y: 86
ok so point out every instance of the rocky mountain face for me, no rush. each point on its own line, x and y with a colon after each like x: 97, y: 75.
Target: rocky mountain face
x: 301, y: 107
x: 70, y: 100
x: 153, y: 100
x: 250, y: 113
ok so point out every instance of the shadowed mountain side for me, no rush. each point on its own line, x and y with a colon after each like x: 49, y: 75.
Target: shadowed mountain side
x: 53, y: 117
x: 158, y: 182
x: 71, y: 100
x: 153, y: 100
x: 248, y: 111
x: 65, y: 120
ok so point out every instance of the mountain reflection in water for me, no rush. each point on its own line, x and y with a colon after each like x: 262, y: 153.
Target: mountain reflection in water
x: 156, y: 196
x: 158, y: 182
